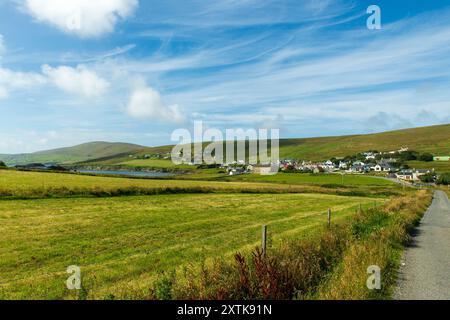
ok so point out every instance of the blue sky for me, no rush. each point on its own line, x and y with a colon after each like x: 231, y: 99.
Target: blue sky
x: 75, y: 71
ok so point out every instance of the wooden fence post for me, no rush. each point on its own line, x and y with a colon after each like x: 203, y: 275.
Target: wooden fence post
x: 329, y: 218
x: 264, y: 240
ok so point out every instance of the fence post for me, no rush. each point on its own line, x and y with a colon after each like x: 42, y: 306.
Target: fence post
x: 329, y: 218
x: 264, y: 240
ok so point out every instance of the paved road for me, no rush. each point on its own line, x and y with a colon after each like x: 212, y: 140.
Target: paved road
x: 426, y: 271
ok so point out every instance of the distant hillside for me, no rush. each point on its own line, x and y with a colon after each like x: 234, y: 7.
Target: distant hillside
x: 82, y: 152
x: 433, y: 139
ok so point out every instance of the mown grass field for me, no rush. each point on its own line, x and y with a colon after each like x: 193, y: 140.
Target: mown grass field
x: 318, y: 179
x: 122, y: 243
x: 22, y: 184
x: 124, y: 232
x: 41, y: 184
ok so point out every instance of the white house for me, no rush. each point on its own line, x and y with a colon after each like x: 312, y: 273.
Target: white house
x: 343, y: 165
x: 381, y: 168
x: 264, y: 170
x: 411, y: 175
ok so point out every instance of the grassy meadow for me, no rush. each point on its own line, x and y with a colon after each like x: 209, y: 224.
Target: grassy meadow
x: 126, y: 233
x: 122, y: 243
x: 23, y: 184
x: 316, y: 179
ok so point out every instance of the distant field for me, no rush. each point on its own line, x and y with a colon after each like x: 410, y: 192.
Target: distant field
x: 43, y: 184
x: 321, y: 179
x: 439, y: 166
x: 156, y: 163
x: 122, y: 243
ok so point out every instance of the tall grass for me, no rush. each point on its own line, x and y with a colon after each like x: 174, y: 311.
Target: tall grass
x: 330, y: 266
x: 380, y: 242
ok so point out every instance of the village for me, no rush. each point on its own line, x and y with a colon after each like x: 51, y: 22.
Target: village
x: 387, y: 164
x: 390, y: 164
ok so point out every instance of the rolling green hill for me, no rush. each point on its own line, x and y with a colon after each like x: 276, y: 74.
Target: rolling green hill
x: 82, y: 152
x: 433, y: 139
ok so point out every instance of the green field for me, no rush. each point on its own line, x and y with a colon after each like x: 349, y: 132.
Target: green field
x: 156, y: 163
x: 438, y: 166
x: 124, y: 232
x: 122, y: 243
x: 320, y: 179
x: 20, y: 184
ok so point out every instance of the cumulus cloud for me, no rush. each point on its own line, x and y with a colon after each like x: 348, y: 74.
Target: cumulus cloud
x: 85, y: 18
x: 11, y: 80
x: 146, y: 103
x: 79, y: 80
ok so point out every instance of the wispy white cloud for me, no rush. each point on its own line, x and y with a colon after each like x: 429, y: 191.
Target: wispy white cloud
x: 79, y: 80
x: 236, y: 13
x: 85, y: 18
x: 374, y: 64
x: 72, y: 57
x: 13, y: 80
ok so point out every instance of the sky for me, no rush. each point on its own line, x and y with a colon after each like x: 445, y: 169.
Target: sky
x: 133, y: 71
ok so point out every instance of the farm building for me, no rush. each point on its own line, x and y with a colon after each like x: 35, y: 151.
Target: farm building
x: 265, y: 169
x: 441, y: 158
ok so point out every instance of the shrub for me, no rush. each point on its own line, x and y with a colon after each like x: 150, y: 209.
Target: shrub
x: 427, y: 178
x: 162, y: 288
x: 408, y: 155
x: 428, y: 157
x: 2, y: 164
x: 444, y: 179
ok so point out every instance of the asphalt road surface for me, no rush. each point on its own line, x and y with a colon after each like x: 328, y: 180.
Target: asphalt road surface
x: 425, y: 270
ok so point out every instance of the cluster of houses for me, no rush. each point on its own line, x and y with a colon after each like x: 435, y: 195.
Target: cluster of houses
x: 368, y: 162
x: 385, y: 165
x: 237, y: 168
x: 374, y: 162
x: 371, y: 162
